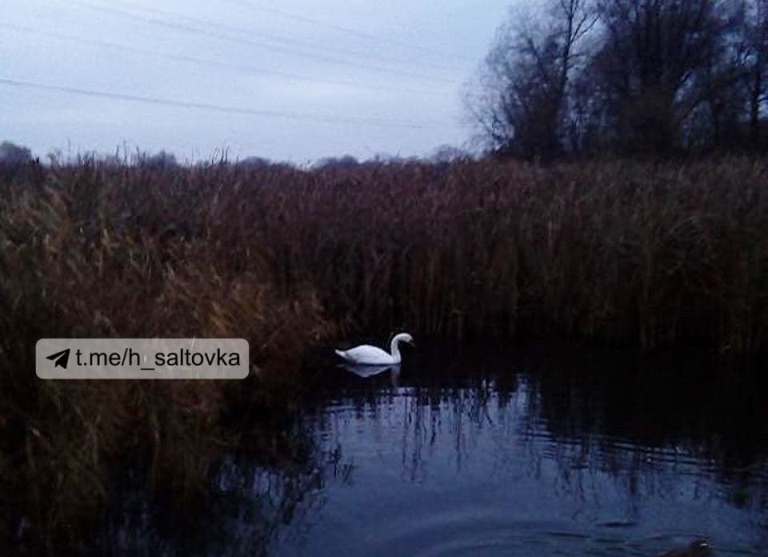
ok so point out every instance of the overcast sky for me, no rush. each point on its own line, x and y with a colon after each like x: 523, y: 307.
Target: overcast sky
x: 289, y: 80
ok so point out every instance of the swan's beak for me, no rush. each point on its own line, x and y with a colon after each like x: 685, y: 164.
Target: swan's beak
x: 412, y: 343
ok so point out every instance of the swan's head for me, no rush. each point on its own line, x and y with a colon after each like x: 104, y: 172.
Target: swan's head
x: 404, y: 337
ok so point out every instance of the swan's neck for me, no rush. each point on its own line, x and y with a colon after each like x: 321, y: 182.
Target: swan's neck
x: 395, y: 350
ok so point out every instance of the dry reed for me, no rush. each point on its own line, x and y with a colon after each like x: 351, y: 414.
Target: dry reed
x: 622, y: 252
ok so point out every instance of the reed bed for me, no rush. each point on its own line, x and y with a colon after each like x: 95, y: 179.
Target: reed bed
x: 617, y: 252
x: 629, y: 252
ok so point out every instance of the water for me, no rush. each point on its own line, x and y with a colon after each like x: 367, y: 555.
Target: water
x: 525, y: 454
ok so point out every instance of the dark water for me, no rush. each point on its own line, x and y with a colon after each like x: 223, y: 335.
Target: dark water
x: 541, y: 453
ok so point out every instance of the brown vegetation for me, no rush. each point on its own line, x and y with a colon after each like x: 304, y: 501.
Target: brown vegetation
x: 621, y: 252
x: 640, y: 253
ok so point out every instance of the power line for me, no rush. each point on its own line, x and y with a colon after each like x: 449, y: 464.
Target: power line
x: 213, y: 63
x: 219, y: 108
x: 341, y: 28
x: 290, y: 41
x: 196, y: 30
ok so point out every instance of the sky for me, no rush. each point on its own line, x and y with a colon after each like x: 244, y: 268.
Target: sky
x: 294, y: 80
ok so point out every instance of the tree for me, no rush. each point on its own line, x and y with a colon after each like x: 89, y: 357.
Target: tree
x: 756, y: 55
x: 14, y: 155
x: 629, y: 76
x: 162, y: 160
x: 653, y: 54
x: 254, y: 162
x: 344, y: 162
x: 521, y: 103
x: 445, y: 154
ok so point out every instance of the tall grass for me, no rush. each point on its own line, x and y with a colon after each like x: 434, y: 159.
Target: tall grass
x: 89, y: 252
x: 621, y: 252
x: 639, y: 253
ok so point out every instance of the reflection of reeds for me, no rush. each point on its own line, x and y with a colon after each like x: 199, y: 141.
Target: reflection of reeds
x: 243, y: 511
x: 570, y: 425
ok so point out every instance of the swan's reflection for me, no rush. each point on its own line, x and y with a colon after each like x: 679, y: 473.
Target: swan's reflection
x: 366, y: 371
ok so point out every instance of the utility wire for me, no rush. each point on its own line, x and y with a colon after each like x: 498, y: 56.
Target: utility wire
x: 381, y: 122
x: 214, y: 63
x: 304, y: 19
x: 240, y: 40
x: 290, y: 41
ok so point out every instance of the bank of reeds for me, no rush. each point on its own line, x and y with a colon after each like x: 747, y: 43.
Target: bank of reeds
x: 638, y: 253
x: 620, y: 252
x: 90, y: 253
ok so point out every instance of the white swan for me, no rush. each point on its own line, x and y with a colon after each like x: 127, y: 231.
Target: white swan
x: 374, y: 356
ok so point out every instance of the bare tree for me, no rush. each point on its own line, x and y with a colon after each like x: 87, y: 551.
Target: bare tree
x: 521, y: 102
x: 756, y: 54
x: 629, y: 76
x: 653, y: 52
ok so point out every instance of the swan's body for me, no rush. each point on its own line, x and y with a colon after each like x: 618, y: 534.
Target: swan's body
x: 368, y: 355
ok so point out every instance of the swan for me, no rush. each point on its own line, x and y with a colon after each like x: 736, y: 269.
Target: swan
x: 374, y: 356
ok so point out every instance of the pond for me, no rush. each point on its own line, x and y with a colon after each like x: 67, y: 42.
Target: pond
x: 542, y: 452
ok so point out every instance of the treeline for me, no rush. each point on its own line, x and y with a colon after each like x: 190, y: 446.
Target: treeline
x: 15, y: 157
x: 633, y: 77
